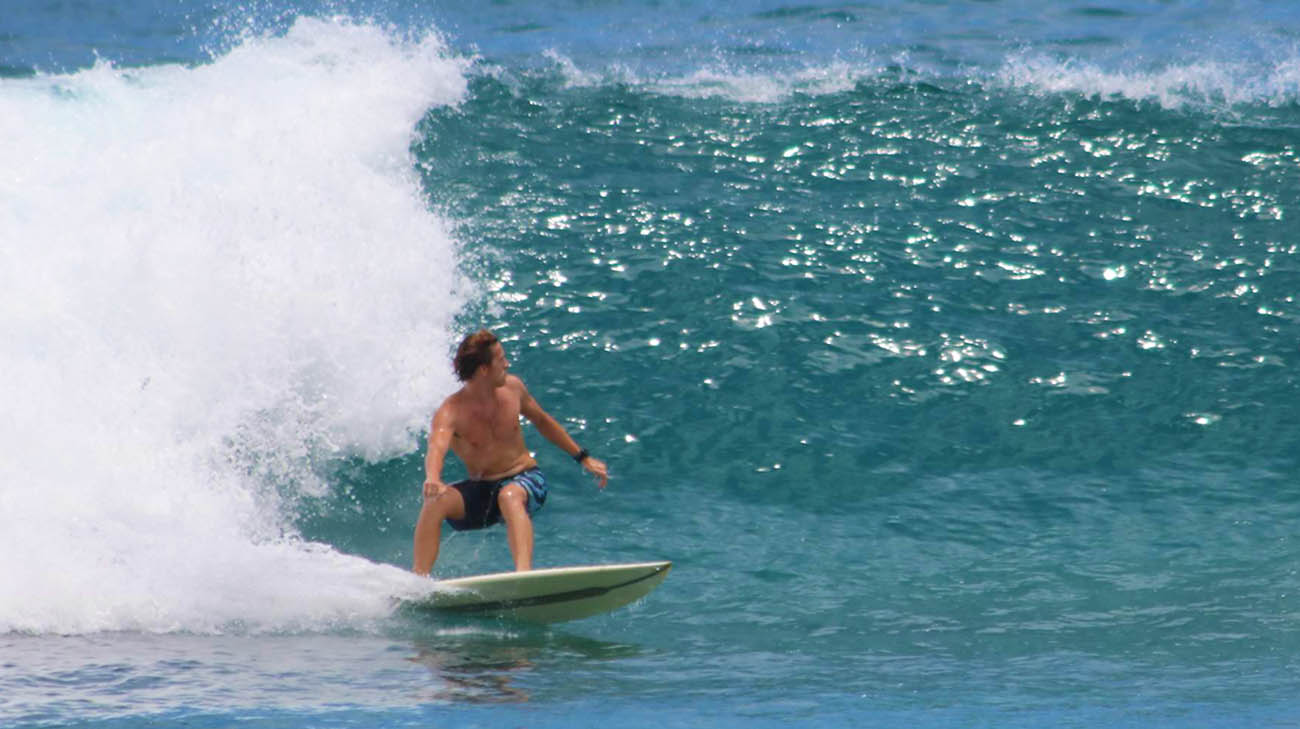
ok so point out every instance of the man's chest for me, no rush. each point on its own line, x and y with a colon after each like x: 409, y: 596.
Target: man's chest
x: 482, y: 426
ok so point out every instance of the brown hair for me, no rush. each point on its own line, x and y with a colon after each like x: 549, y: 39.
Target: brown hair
x: 474, y: 352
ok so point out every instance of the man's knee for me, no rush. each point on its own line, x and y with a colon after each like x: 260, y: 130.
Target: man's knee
x: 513, y: 501
x: 446, y: 504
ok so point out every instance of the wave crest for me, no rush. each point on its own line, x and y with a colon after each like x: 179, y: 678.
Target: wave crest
x: 1199, y: 83
x: 215, y: 276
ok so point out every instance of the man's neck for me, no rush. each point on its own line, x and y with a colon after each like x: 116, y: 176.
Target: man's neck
x: 480, y: 389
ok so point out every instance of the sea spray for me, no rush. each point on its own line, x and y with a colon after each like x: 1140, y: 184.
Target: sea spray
x: 1200, y: 82
x: 214, y: 277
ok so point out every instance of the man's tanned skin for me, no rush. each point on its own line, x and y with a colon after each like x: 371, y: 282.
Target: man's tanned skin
x: 480, y: 424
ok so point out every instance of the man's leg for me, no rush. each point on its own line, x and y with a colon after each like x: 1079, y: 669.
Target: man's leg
x: 513, y: 501
x: 428, y: 530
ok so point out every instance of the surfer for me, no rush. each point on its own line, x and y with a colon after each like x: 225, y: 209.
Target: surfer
x: 480, y: 424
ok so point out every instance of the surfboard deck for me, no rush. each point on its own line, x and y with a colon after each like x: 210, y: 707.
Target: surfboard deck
x: 550, y: 595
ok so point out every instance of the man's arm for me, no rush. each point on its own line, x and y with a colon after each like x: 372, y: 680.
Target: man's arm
x: 440, y: 433
x: 551, y: 429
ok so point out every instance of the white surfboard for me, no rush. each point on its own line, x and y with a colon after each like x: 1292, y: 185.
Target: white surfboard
x: 547, y: 595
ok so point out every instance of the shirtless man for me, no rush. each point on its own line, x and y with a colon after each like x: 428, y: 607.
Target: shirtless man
x: 480, y: 424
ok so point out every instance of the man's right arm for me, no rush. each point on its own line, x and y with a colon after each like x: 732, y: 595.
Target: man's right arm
x: 440, y: 433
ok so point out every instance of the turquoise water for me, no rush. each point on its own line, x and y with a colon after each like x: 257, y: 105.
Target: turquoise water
x: 948, y: 349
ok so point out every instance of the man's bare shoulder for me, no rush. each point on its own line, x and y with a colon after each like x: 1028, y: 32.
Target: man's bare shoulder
x: 518, y: 389
x: 451, y: 406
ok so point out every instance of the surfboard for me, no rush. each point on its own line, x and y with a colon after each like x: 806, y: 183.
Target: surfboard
x: 550, y: 595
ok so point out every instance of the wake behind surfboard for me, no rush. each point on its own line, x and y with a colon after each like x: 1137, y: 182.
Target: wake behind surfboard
x: 547, y: 595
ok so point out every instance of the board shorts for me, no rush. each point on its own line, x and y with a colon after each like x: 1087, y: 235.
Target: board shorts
x: 481, y: 507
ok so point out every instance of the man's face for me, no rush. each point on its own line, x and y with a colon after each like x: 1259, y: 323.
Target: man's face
x: 498, y: 366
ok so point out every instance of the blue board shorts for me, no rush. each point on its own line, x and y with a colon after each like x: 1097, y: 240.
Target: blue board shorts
x: 481, y: 507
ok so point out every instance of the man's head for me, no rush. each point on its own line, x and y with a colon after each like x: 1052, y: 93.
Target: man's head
x: 478, y: 350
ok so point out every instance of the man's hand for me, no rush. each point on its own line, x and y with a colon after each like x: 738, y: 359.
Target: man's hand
x: 433, y: 489
x: 597, y: 468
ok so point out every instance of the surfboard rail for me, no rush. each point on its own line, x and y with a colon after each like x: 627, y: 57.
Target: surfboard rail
x: 547, y: 595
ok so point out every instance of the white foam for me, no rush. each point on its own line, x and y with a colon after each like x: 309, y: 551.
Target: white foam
x: 764, y: 87
x: 1272, y: 79
x: 725, y: 81
x: 214, y: 278
x: 1204, y: 82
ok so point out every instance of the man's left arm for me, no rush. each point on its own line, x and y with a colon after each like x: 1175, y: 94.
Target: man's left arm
x: 551, y: 429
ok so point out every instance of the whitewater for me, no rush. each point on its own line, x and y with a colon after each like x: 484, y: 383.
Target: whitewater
x: 218, y: 278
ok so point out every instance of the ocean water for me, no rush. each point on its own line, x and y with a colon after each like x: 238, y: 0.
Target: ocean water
x: 948, y: 348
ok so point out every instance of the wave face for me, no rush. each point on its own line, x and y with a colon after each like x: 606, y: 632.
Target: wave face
x: 218, y: 278
x: 986, y: 375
